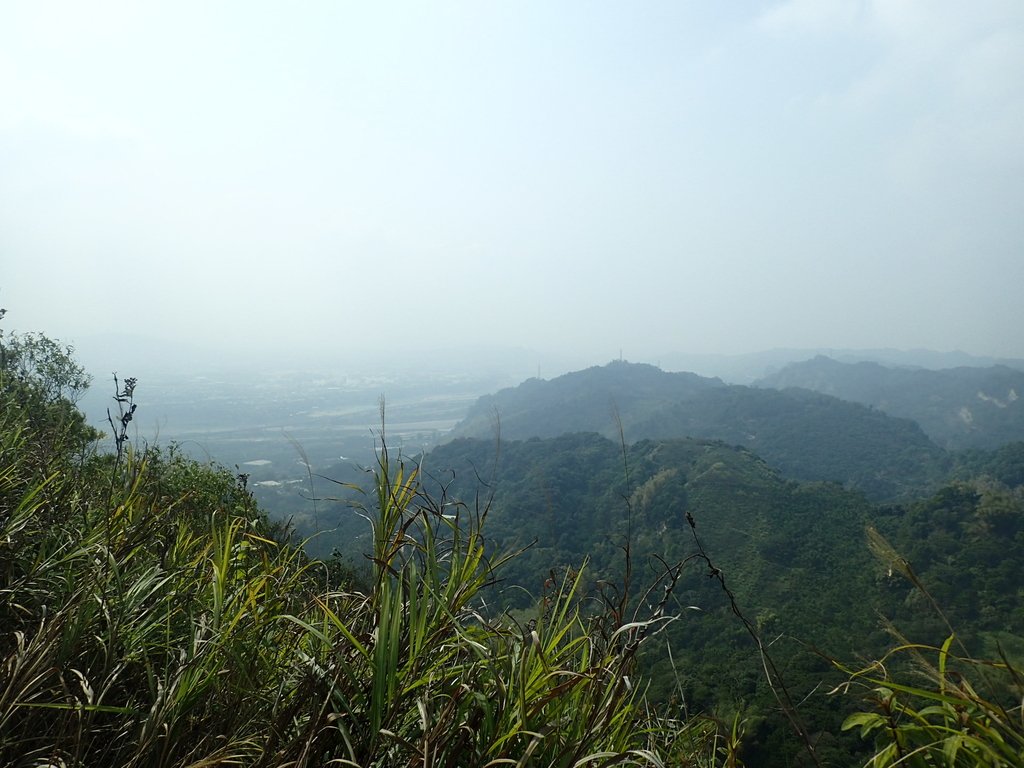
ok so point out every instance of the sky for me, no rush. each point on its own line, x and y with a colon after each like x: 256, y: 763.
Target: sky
x: 634, y: 179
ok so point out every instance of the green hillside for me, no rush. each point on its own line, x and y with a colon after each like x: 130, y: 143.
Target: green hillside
x: 796, y: 557
x: 807, y: 436
x: 957, y: 407
x: 152, y: 616
x: 563, y: 602
x: 581, y: 401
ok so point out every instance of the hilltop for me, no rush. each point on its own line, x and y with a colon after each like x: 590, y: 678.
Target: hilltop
x: 963, y: 407
x: 808, y: 436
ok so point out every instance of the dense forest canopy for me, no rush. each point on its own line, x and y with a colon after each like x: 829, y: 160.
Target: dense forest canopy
x: 809, y: 436
x: 965, y: 407
x: 795, y: 556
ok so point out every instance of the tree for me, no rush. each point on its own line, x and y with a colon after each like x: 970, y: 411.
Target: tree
x: 40, y: 382
x: 42, y: 363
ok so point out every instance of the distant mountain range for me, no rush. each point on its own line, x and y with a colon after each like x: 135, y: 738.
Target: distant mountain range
x: 629, y: 458
x: 748, y: 368
x: 808, y: 436
x: 964, y: 407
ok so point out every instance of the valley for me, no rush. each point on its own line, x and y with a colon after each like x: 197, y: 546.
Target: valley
x: 630, y: 472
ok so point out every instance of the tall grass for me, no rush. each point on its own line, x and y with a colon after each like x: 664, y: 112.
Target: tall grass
x: 150, y: 615
x: 936, y: 705
x: 138, y: 633
x: 416, y: 671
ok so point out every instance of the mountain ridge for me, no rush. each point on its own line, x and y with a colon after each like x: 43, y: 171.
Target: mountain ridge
x: 883, y: 456
x: 962, y: 407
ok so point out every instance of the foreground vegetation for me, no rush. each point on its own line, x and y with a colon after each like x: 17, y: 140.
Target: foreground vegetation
x: 151, y: 615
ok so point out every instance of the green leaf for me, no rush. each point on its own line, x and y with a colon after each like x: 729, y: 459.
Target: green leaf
x: 867, y: 721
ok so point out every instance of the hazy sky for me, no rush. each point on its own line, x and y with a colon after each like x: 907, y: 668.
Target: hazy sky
x: 653, y: 177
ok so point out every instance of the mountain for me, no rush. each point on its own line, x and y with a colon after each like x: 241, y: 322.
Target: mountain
x: 957, y: 407
x: 749, y: 367
x: 582, y: 495
x: 808, y: 436
x: 581, y: 401
x: 789, y: 554
x: 794, y: 557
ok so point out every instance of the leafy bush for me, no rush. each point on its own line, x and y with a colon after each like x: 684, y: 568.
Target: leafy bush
x: 929, y: 712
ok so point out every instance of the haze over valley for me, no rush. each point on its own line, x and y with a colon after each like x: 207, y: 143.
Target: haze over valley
x: 295, y: 431
x: 555, y: 384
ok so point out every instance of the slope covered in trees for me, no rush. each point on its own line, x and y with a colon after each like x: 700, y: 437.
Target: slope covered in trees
x: 957, y: 407
x: 581, y: 401
x: 796, y: 558
x: 807, y: 436
x: 152, y: 615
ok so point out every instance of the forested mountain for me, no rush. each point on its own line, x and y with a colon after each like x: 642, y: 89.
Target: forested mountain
x: 675, y: 602
x: 957, y: 407
x: 808, y: 436
x: 796, y: 558
x: 581, y: 401
x: 726, y: 457
x: 748, y: 368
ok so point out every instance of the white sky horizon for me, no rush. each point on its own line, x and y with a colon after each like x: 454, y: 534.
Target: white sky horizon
x: 573, y: 178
